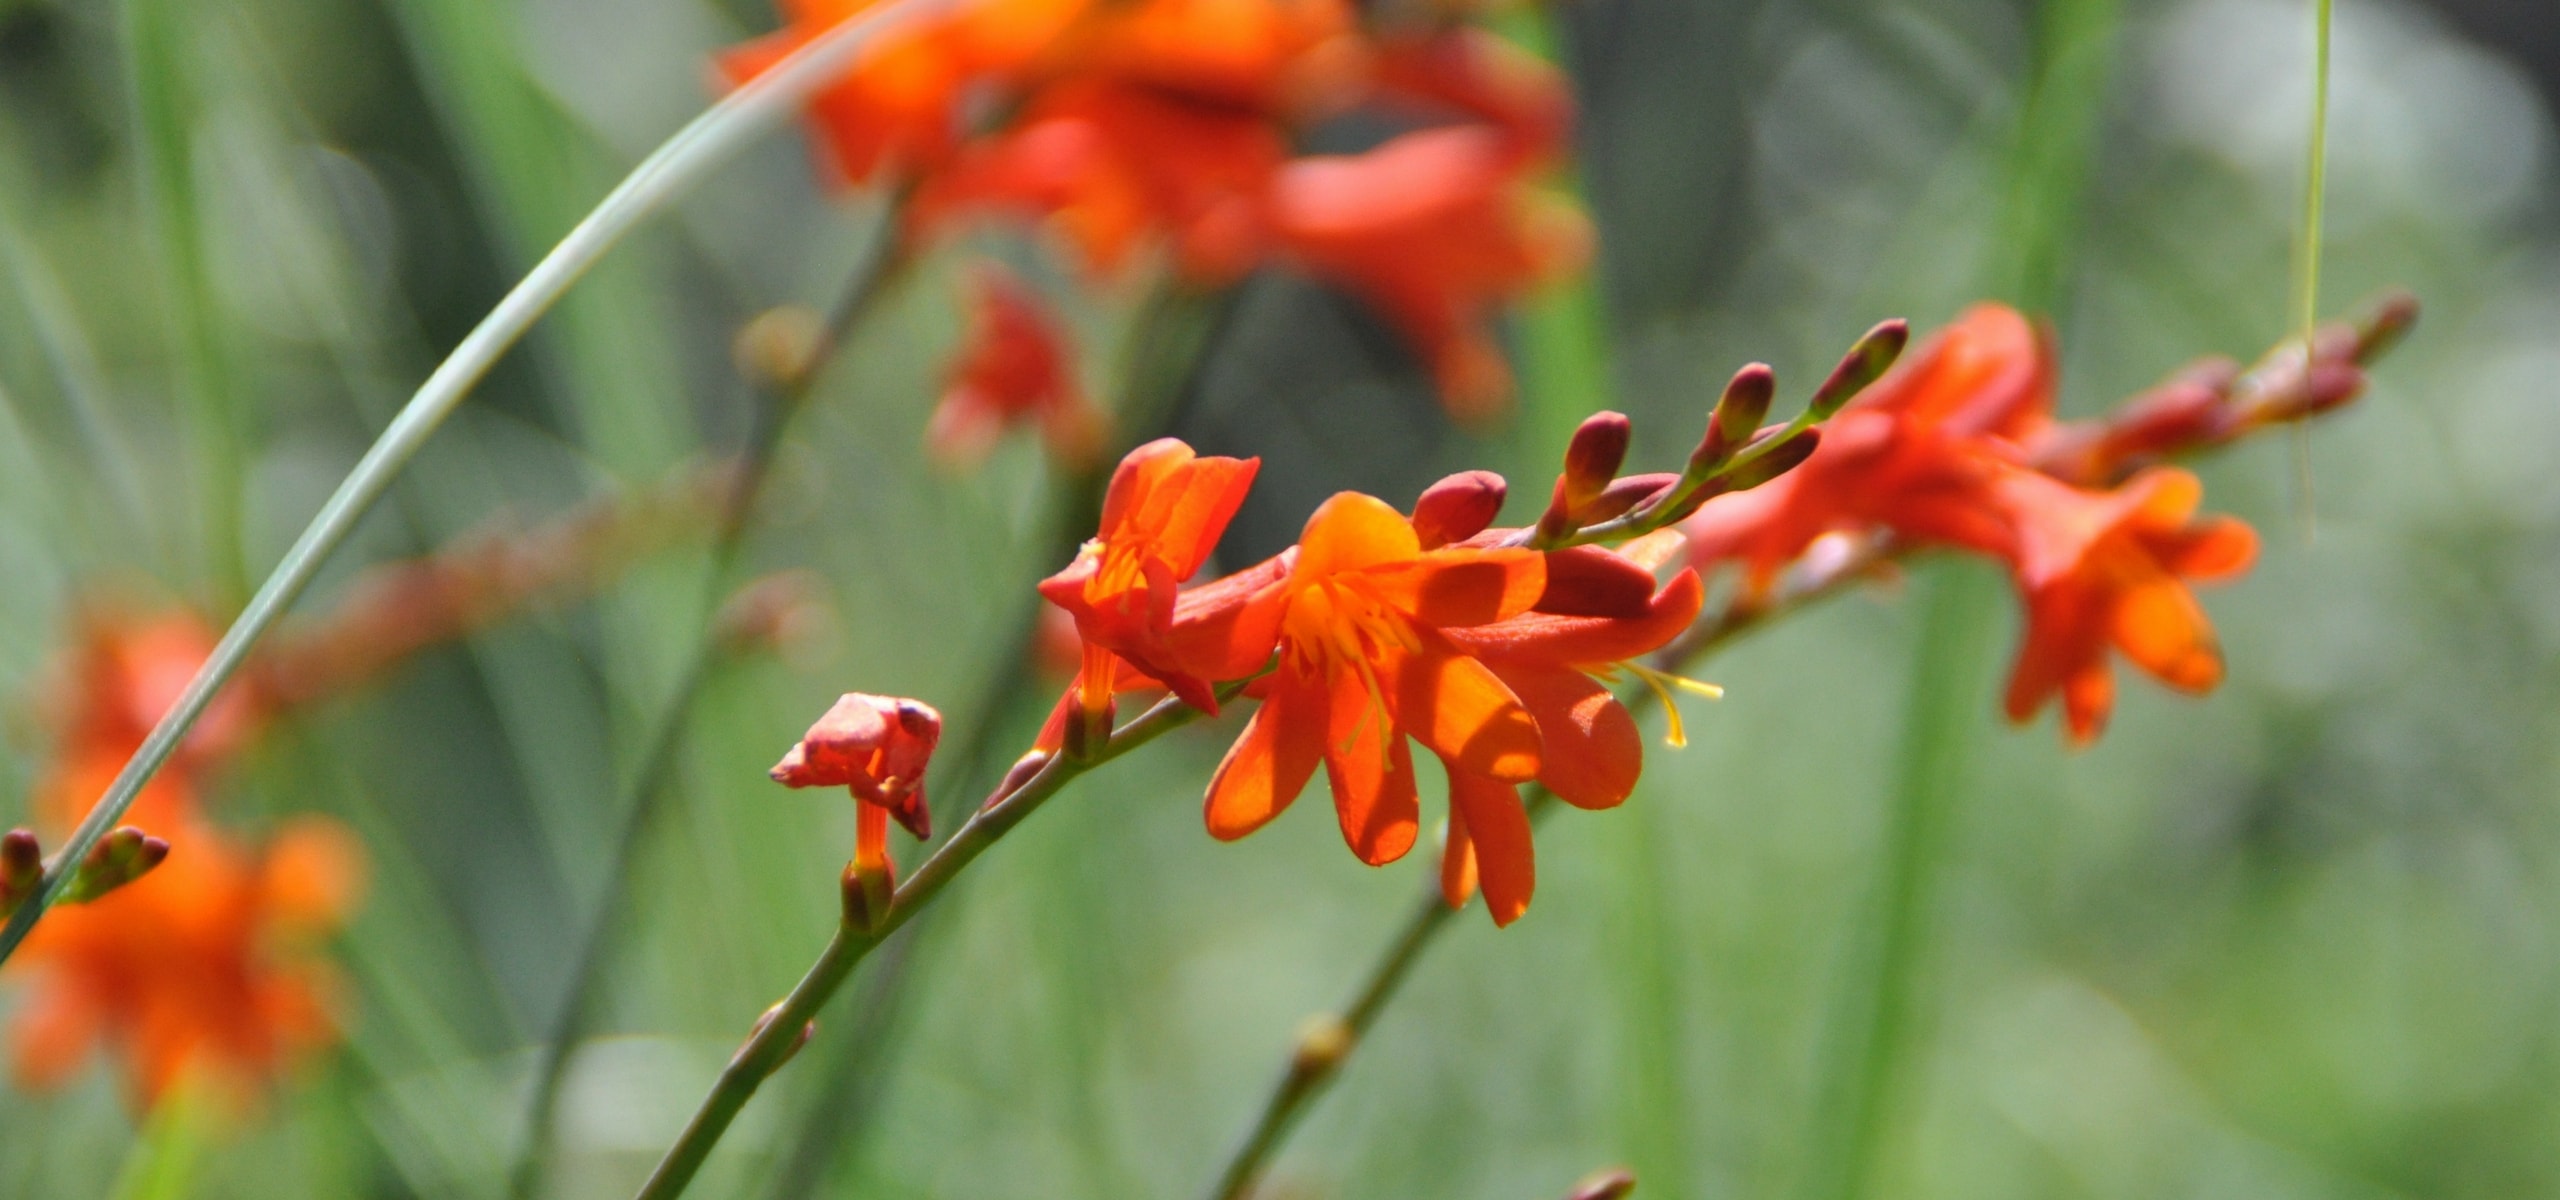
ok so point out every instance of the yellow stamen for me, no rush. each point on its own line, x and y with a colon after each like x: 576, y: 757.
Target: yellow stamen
x: 1664, y: 683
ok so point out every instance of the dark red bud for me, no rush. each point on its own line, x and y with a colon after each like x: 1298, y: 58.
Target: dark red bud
x: 21, y: 867
x: 1738, y: 414
x: 1865, y: 363
x: 2383, y: 324
x: 1623, y: 495
x: 1784, y: 457
x: 1458, y: 508
x: 1592, y: 459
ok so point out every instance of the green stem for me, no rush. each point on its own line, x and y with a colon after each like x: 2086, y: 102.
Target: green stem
x: 654, y: 780
x: 1877, y: 1010
x: 780, y: 1031
x: 2306, y: 288
x: 160, y: 65
x: 667, y: 173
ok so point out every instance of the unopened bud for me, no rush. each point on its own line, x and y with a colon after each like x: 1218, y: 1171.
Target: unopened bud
x: 21, y: 868
x: 808, y: 1029
x: 1023, y: 769
x: 1737, y: 416
x: 1591, y: 460
x: 1324, y: 1040
x: 1458, y: 507
x: 1865, y: 363
x: 785, y: 612
x: 1780, y: 459
x: 2383, y: 324
x: 124, y: 855
x: 1624, y: 494
x: 777, y: 347
x: 868, y: 889
x: 1612, y: 1183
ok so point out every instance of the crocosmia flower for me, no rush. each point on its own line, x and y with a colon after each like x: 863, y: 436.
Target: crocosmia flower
x: 1366, y: 660
x: 205, y: 970
x: 1436, y: 229
x: 1015, y: 368
x: 2111, y: 569
x: 876, y: 747
x: 1161, y: 519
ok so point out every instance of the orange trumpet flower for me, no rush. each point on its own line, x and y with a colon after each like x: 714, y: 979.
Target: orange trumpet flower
x: 1015, y: 368
x: 1365, y: 661
x: 198, y: 970
x: 2101, y: 569
x: 1161, y: 517
x: 1435, y: 228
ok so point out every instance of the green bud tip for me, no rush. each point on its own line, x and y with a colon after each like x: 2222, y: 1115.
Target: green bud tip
x: 1865, y: 363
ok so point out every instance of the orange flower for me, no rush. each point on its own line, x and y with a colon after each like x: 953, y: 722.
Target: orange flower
x: 1161, y: 518
x: 199, y: 970
x: 1592, y: 753
x: 2112, y: 568
x: 1014, y: 368
x: 1112, y: 164
x: 876, y: 747
x: 1365, y: 660
x: 899, y: 108
x: 1435, y: 228
x: 1915, y: 454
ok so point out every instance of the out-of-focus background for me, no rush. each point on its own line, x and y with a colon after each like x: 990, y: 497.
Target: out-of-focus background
x: 2297, y: 939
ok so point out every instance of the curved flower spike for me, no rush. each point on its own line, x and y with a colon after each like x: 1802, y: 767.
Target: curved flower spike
x: 877, y: 747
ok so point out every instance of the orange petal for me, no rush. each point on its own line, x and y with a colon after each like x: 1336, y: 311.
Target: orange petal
x: 1498, y: 826
x: 1593, y: 751
x: 1271, y: 763
x: 1457, y: 860
x: 1351, y: 531
x: 1462, y: 587
x: 1371, y: 769
x: 2087, y: 697
x: 2214, y: 548
x: 1460, y: 709
x: 2159, y: 625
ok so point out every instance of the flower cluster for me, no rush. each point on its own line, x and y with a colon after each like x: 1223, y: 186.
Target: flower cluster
x: 1493, y: 647
x: 1122, y: 125
x: 1958, y: 448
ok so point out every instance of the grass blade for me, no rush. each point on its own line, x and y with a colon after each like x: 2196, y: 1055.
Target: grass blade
x: 668, y: 171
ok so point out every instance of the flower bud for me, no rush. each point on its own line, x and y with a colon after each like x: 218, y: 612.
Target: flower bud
x: 21, y: 868
x: 1623, y: 495
x: 124, y: 855
x: 1737, y: 415
x: 1866, y: 362
x: 2382, y: 326
x: 1324, y: 1040
x: 808, y: 1029
x: 777, y: 347
x: 1779, y: 460
x: 1591, y: 460
x: 1458, y: 507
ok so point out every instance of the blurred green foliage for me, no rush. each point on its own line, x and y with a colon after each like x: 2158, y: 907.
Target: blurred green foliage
x: 2292, y: 940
